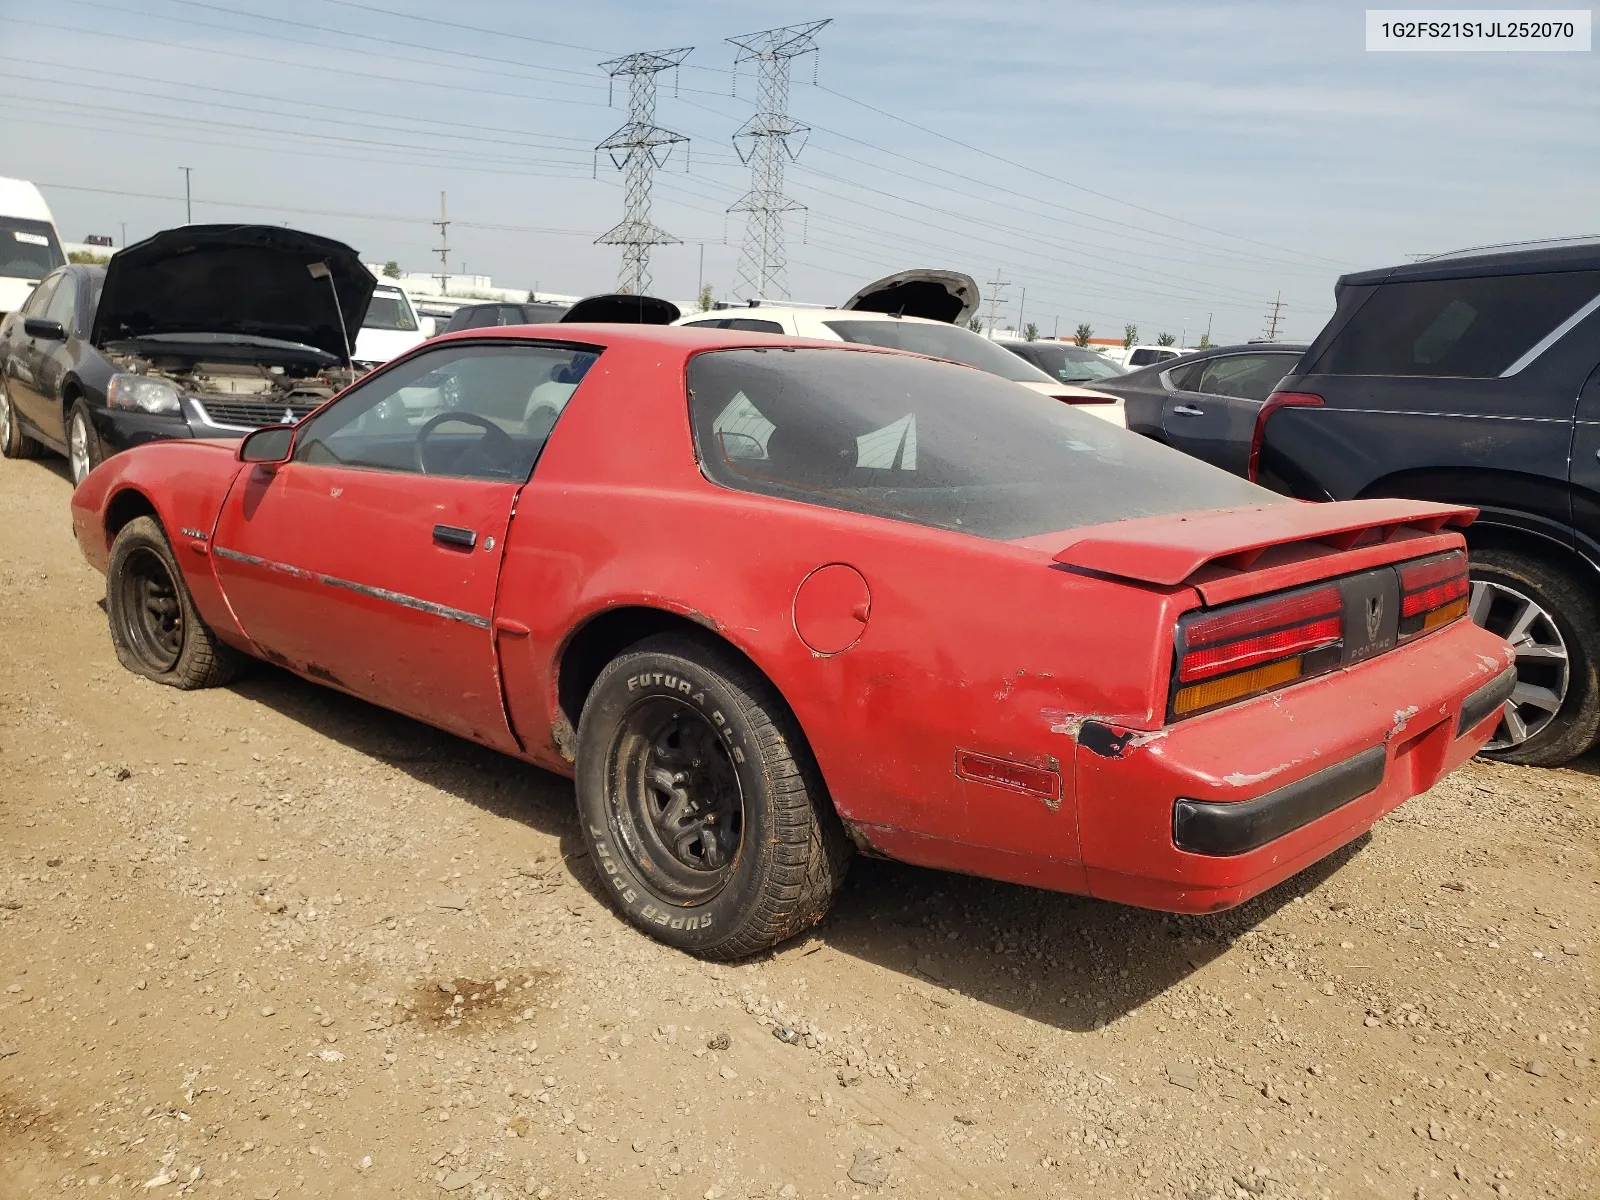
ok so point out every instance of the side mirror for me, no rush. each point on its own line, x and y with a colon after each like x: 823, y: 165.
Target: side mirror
x: 271, y: 444
x: 39, y: 327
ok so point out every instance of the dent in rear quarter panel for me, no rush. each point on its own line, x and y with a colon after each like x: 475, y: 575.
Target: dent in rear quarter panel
x: 186, y: 482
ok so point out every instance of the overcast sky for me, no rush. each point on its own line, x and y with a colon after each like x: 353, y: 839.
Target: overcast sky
x: 1159, y: 164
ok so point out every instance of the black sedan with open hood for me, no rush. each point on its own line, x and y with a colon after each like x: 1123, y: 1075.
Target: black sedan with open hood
x: 201, y: 331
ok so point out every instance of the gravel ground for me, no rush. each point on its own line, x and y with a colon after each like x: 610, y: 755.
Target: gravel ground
x: 269, y: 941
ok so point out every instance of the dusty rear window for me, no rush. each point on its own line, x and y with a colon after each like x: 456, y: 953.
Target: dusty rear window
x: 934, y: 444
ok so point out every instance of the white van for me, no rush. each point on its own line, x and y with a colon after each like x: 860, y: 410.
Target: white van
x: 29, y: 247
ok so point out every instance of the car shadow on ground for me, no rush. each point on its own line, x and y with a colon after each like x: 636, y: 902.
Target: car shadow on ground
x: 1067, y: 961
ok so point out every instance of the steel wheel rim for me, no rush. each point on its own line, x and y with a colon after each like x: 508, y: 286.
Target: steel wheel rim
x: 150, y: 612
x: 5, y: 416
x: 676, y: 804
x: 78, y: 448
x: 1543, y: 665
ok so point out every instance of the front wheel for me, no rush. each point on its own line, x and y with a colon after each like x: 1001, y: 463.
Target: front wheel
x: 155, y: 627
x: 701, y: 805
x: 83, y: 444
x: 1554, y: 628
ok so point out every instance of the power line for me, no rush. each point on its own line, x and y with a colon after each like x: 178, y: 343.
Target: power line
x: 1065, y: 182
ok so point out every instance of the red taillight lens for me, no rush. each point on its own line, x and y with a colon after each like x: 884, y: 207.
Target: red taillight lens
x: 1269, y: 406
x: 1247, y: 649
x: 1433, y: 592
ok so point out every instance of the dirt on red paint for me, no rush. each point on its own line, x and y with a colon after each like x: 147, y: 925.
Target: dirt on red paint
x: 225, y: 918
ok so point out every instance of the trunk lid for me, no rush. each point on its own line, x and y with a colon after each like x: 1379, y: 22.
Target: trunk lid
x: 935, y: 295
x: 1229, y: 554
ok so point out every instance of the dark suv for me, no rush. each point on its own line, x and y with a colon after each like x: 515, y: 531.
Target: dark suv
x: 1474, y: 378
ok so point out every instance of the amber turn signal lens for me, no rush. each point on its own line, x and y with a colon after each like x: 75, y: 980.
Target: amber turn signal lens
x: 1234, y: 687
x: 1443, y: 616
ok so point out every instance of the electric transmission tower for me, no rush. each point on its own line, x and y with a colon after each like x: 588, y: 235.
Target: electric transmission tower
x: 636, y: 150
x: 763, y: 143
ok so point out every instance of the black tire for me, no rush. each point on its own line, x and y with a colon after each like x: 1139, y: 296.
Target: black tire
x: 1505, y: 582
x: 13, y: 442
x: 92, y: 454
x: 154, y: 626
x: 738, y: 850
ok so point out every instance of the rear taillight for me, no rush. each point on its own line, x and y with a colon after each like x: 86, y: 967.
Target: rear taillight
x: 1269, y: 406
x: 1244, y: 650
x: 1433, y: 592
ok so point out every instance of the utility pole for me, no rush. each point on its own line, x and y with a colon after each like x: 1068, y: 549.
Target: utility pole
x: 995, y: 285
x: 188, y: 204
x: 636, y: 150
x: 763, y: 143
x: 700, y: 279
x: 443, y: 249
x: 1272, y: 318
x: 1022, y: 310
x: 124, y: 233
x: 1208, y: 329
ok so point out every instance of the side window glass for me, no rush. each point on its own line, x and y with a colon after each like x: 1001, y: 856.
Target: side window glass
x: 718, y: 324
x: 1185, y: 378
x: 63, y: 303
x: 1243, y: 376
x: 39, y: 299
x: 482, y: 318
x: 751, y: 325
x: 475, y: 412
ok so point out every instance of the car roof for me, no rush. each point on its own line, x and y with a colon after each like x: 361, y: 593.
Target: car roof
x: 680, y: 339
x: 1511, y: 258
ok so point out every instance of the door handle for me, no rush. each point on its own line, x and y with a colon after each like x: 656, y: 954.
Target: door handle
x: 1188, y: 410
x: 454, y: 535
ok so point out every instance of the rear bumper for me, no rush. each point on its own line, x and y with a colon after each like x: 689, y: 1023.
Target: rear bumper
x: 1216, y: 809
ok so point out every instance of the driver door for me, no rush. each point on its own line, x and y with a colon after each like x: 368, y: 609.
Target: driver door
x: 370, y: 560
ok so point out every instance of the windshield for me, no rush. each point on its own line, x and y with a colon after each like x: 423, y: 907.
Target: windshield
x: 938, y: 340
x: 389, y: 310
x: 1070, y: 364
x: 28, y: 249
x: 933, y: 444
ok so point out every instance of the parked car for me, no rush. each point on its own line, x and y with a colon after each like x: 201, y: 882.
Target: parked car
x: 818, y: 596
x: 1205, y: 404
x: 29, y: 246
x: 390, y: 328
x: 1066, y: 362
x: 923, y: 311
x: 489, y: 316
x: 1474, y: 378
x: 207, y: 331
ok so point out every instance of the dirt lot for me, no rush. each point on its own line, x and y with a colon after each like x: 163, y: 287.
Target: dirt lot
x: 272, y: 942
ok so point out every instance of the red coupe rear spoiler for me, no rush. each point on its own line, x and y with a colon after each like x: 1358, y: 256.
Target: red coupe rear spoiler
x: 1168, y: 550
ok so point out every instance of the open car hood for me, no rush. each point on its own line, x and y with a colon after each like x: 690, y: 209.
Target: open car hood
x: 620, y: 309
x: 946, y: 296
x: 253, y: 280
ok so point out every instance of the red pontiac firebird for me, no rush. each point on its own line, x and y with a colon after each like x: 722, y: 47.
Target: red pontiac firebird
x: 766, y: 600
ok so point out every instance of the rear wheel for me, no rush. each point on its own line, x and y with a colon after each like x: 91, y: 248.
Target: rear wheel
x: 1554, y: 627
x: 155, y: 628
x: 13, y: 442
x: 700, y: 802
